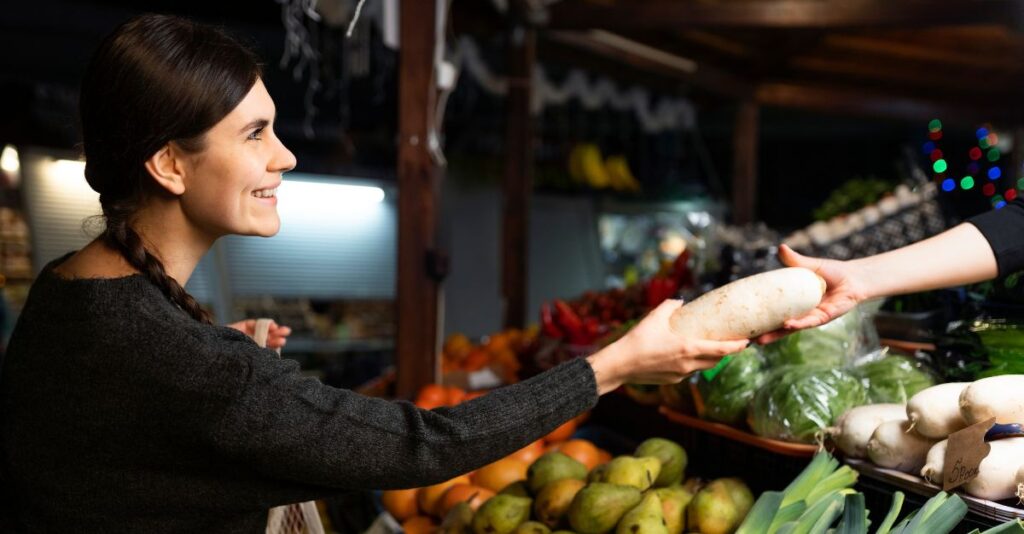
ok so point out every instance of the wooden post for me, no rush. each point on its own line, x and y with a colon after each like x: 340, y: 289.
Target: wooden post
x: 744, y: 173
x: 518, y: 182
x: 418, y: 189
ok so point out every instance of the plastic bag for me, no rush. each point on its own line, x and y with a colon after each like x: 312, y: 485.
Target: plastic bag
x: 833, y: 344
x: 727, y: 393
x: 796, y: 402
x: 890, y: 378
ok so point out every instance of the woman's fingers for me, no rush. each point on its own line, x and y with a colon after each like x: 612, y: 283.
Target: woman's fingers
x: 718, y: 349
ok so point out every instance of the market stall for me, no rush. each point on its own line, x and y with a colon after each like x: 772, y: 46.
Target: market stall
x: 528, y: 181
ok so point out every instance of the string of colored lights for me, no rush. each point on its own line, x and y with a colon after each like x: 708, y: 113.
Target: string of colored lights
x: 987, y: 149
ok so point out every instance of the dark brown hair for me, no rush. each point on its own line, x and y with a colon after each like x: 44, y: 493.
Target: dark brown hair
x: 155, y: 79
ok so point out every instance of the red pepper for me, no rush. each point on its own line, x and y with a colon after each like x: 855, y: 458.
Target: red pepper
x: 570, y: 322
x: 681, y: 272
x: 547, y: 322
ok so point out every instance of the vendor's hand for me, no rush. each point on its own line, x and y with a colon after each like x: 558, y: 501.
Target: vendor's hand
x: 846, y: 289
x: 652, y: 353
x: 277, y: 336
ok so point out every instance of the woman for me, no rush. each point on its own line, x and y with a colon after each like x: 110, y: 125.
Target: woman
x: 987, y: 246
x: 123, y: 409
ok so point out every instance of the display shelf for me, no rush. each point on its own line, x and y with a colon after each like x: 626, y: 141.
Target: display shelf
x: 996, y: 511
x: 780, y: 447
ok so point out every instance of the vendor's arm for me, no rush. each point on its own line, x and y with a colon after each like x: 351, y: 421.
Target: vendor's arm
x: 986, y: 246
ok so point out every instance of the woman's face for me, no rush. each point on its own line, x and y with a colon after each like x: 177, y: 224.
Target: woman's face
x: 231, y: 185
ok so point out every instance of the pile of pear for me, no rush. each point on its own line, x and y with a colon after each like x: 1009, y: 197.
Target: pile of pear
x: 645, y: 493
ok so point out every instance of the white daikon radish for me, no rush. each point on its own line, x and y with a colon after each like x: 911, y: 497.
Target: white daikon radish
x: 1001, y: 397
x: 935, y: 463
x: 997, y: 474
x: 896, y: 446
x: 854, y: 428
x: 750, y: 306
x: 1020, y: 483
x: 935, y: 412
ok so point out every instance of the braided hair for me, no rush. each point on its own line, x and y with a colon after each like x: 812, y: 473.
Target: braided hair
x: 154, y: 80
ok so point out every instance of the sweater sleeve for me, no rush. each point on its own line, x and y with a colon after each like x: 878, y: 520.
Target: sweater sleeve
x: 297, y: 429
x: 1004, y: 230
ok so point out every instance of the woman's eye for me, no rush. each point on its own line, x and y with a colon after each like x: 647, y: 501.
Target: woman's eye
x: 256, y: 134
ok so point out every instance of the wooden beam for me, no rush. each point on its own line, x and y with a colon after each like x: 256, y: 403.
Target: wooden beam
x: 859, y: 102
x: 787, y: 14
x: 418, y: 184
x: 860, y: 71
x: 949, y: 54
x: 518, y: 183
x: 744, y: 172
x: 705, y: 77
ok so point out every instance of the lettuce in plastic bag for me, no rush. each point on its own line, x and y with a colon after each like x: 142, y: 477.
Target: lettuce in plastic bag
x: 831, y: 344
x: 796, y: 402
x: 893, y: 379
x: 728, y: 393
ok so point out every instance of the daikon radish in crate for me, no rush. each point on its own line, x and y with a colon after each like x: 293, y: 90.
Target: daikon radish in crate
x: 935, y: 463
x: 854, y: 428
x: 1001, y: 397
x: 997, y: 473
x: 895, y: 446
x: 935, y: 412
x: 750, y: 306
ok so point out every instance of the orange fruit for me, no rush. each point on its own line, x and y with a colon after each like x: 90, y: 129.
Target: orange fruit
x: 454, y: 395
x: 476, y: 360
x: 499, y: 474
x: 420, y: 524
x: 562, y: 433
x: 582, y: 451
x: 401, y: 503
x: 530, y: 452
x: 430, y: 496
x: 474, y: 495
x: 431, y: 396
x: 457, y: 347
x: 603, y: 457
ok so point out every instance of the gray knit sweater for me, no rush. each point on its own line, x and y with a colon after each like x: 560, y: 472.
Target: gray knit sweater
x: 119, y: 413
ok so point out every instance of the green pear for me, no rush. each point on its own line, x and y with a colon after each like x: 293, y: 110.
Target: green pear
x: 563, y: 532
x: 629, y: 471
x: 517, y: 488
x: 672, y: 457
x: 674, y: 500
x: 598, y: 507
x: 459, y: 520
x: 597, y: 474
x: 712, y: 511
x: 553, y: 501
x: 644, y: 518
x: 533, y: 527
x: 551, y: 467
x: 501, y: 514
x: 740, y: 493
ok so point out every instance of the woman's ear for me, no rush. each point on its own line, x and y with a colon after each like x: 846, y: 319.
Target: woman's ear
x: 167, y: 168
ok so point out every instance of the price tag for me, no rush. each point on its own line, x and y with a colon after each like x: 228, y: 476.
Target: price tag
x: 964, y: 453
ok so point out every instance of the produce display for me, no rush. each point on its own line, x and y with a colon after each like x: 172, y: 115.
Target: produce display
x: 893, y: 380
x: 915, y: 442
x: 821, y: 499
x: 574, y: 486
x: 727, y: 393
x: 834, y: 344
x: 798, y: 401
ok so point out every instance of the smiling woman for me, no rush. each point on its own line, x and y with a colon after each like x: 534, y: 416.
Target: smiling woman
x: 122, y: 409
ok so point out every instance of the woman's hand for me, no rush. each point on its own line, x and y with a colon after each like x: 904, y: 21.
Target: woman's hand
x: 652, y: 353
x: 847, y: 287
x: 277, y: 336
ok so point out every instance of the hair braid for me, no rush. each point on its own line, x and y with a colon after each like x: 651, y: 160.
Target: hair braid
x: 121, y: 237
